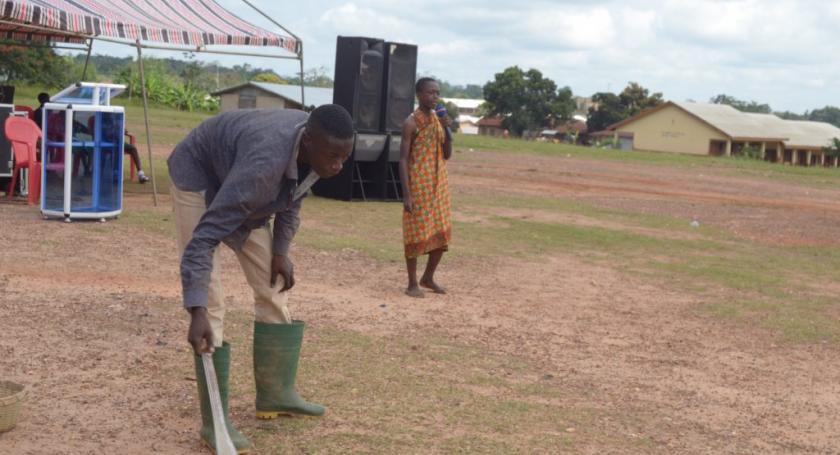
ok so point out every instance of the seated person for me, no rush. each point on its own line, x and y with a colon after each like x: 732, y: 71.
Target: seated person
x: 131, y: 150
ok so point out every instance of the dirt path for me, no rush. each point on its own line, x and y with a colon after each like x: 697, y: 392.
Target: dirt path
x: 91, y: 320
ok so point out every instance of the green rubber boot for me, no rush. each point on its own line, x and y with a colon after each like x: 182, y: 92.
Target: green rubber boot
x: 221, y: 362
x: 276, y: 354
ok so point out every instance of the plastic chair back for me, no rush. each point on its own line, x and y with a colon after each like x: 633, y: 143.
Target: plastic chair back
x: 23, y: 134
x: 29, y: 111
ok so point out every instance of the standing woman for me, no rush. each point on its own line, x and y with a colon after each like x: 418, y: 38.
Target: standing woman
x: 427, y: 222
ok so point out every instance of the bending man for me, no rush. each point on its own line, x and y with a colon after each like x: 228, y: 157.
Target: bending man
x: 230, y: 175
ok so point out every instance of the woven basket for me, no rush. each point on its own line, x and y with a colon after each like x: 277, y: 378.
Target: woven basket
x: 11, y: 397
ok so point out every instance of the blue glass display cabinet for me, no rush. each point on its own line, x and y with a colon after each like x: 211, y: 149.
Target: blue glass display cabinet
x: 82, y: 153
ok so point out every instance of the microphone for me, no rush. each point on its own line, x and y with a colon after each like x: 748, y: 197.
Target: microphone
x: 440, y: 110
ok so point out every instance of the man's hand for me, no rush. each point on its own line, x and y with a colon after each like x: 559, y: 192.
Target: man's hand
x: 200, y: 334
x: 446, y: 121
x: 283, y: 266
x: 408, y: 204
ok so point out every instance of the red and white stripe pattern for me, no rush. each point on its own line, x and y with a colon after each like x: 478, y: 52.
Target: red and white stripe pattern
x: 175, y: 22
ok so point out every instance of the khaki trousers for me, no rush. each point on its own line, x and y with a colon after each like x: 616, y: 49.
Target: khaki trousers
x: 254, y: 258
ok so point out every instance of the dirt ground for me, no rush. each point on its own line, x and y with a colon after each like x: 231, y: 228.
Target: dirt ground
x: 90, y: 319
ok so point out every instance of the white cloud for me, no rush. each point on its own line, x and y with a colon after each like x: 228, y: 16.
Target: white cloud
x: 571, y: 28
x: 781, y: 52
x: 349, y: 19
x: 454, y: 48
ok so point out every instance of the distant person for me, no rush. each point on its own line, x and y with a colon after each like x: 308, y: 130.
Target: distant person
x: 427, y: 222
x: 43, y: 98
x: 130, y: 149
x: 230, y: 175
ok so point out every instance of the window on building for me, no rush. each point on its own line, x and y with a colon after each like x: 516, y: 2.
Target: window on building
x: 248, y: 99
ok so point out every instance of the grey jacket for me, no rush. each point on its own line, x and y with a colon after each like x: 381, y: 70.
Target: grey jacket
x: 245, y: 163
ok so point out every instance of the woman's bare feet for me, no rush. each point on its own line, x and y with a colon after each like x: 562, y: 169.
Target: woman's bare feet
x: 430, y: 284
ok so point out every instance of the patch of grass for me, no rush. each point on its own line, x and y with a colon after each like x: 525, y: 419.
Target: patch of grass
x: 475, y: 203
x: 815, y: 176
x: 150, y: 221
x: 797, y: 319
x: 161, y: 176
x: 415, y: 394
x: 373, y: 228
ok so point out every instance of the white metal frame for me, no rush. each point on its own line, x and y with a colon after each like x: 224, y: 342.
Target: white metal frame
x: 70, y: 109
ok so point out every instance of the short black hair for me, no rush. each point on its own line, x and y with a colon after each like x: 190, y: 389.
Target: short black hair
x: 332, y: 120
x: 43, y: 97
x: 418, y: 87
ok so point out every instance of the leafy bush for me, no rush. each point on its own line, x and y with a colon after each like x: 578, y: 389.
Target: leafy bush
x: 164, y: 88
x: 751, y: 152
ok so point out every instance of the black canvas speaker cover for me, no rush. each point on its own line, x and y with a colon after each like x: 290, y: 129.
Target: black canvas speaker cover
x: 7, y: 94
x: 359, y: 72
x: 400, y: 75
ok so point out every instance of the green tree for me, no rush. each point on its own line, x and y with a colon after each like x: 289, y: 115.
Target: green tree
x: 833, y: 148
x: 743, y: 106
x: 526, y: 99
x: 35, y: 66
x: 828, y: 114
x: 191, y: 71
x: 636, y: 98
x: 315, y: 77
x: 607, y: 111
x: 611, y: 108
x: 448, y: 90
x: 268, y: 77
x: 787, y: 115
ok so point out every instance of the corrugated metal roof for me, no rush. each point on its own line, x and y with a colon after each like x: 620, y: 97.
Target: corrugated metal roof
x: 734, y: 123
x: 753, y: 126
x: 315, y: 96
x: 810, y: 134
x: 465, y: 103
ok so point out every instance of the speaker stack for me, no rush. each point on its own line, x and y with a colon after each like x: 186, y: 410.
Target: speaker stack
x: 374, y: 81
x: 7, y: 94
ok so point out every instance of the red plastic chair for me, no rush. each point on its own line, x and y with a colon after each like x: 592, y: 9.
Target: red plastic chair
x: 23, y: 134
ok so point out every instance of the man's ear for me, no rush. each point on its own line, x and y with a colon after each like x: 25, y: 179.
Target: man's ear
x: 306, y: 140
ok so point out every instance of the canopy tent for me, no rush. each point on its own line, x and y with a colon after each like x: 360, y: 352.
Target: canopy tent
x: 178, y: 25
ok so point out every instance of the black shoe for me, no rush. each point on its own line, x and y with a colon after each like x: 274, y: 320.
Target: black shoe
x: 142, y: 179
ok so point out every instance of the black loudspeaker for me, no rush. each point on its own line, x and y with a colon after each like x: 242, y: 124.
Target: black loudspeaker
x: 7, y: 94
x: 398, y: 90
x: 359, y: 70
x: 364, y: 173
x: 393, y: 185
x: 6, y: 166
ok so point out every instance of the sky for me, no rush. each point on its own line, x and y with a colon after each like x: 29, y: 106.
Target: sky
x: 785, y: 53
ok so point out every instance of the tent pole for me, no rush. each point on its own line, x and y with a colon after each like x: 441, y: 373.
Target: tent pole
x: 302, y: 97
x: 87, y: 59
x: 273, y: 21
x: 146, y: 118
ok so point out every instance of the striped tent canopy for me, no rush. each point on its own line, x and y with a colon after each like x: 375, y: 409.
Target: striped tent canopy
x: 193, y: 23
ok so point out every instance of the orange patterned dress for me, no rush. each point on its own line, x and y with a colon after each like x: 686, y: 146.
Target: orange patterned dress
x: 429, y: 225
